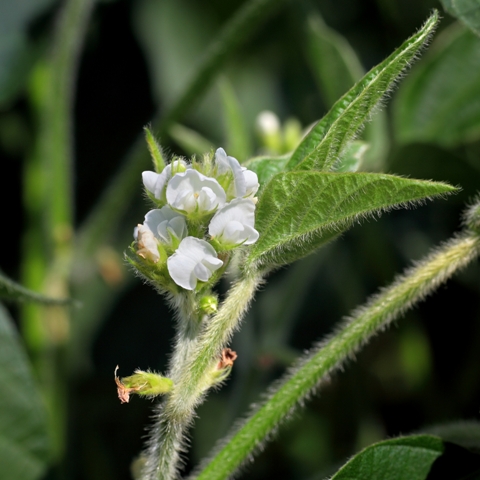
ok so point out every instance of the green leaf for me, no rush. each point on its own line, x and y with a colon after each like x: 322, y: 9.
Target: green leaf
x: 23, y: 431
x: 353, y: 157
x: 10, y: 290
x: 467, y: 11
x: 406, y: 458
x: 299, y: 211
x: 267, y: 167
x: 238, y: 140
x: 326, y: 141
x: 440, y: 101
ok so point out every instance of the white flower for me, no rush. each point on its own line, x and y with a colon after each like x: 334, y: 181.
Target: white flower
x: 147, y: 243
x: 233, y: 224
x: 192, y: 192
x: 194, y: 260
x: 251, y: 183
x: 166, y: 224
x: 245, y: 182
x: 155, y: 182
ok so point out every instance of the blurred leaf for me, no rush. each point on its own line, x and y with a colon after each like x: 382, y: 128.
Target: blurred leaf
x: 10, y: 290
x: 23, y: 431
x: 467, y: 11
x: 267, y: 167
x: 322, y: 146
x: 336, y: 68
x: 353, y: 157
x: 238, y: 140
x: 189, y: 140
x: 334, y: 62
x: 299, y: 211
x: 465, y: 433
x: 406, y: 458
x: 15, y: 48
x: 440, y: 101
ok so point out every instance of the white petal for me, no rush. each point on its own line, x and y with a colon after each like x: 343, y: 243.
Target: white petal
x: 184, y: 189
x: 251, y: 183
x: 233, y: 224
x: 181, y: 269
x: 194, y: 260
x: 150, y: 180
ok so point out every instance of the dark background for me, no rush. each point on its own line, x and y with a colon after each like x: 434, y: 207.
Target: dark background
x: 423, y: 371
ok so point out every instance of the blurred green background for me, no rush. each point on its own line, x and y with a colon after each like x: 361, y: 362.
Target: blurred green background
x: 137, y: 57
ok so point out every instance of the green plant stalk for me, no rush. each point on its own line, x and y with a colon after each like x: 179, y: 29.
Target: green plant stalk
x: 46, y: 328
x: 306, y: 378
x: 191, y: 370
x: 114, y: 201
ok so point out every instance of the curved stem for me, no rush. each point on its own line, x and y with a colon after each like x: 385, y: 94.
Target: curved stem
x: 384, y: 307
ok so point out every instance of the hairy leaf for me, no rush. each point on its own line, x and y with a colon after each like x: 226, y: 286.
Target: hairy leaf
x: 299, y: 211
x: 267, y: 167
x: 440, y: 101
x: 325, y: 142
x: 406, y: 458
x: 23, y: 435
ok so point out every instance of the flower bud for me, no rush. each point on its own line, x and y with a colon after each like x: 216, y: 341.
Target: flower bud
x: 148, y: 384
x: 208, y: 304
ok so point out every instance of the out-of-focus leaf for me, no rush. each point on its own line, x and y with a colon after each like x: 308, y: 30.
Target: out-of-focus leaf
x: 334, y: 62
x: 189, y: 140
x: 440, y: 101
x: 406, y: 458
x: 326, y: 141
x: 267, y: 167
x: 24, y: 445
x: 336, y: 68
x: 15, y: 53
x: 299, y: 211
x: 238, y: 139
x: 467, y: 11
x: 465, y: 433
x: 13, y: 291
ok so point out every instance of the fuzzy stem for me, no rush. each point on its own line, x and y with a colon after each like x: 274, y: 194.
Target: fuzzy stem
x: 191, y: 365
x: 408, y: 289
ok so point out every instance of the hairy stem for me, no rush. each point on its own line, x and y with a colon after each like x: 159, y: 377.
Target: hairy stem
x: 196, y: 358
x: 407, y: 290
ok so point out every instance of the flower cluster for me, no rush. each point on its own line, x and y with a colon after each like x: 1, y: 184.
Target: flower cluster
x: 204, y: 210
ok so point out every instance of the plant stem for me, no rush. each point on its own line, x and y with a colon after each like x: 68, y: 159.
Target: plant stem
x: 383, y: 308
x: 192, y: 364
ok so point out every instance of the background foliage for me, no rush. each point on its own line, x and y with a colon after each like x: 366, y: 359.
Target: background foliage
x: 136, y: 58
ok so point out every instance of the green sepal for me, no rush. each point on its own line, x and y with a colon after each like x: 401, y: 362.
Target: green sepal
x: 155, y: 151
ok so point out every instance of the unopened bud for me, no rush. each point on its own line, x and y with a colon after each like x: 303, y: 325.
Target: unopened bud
x: 209, y: 304
x: 148, y: 384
